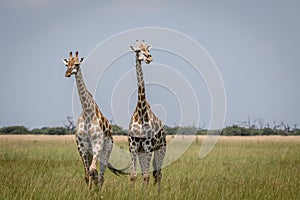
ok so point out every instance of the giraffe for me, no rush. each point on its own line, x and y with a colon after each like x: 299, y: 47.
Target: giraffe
x: 93, y: 131
x: 146, y: 135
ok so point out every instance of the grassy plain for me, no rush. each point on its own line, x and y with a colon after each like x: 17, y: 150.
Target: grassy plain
x: 49, y: 167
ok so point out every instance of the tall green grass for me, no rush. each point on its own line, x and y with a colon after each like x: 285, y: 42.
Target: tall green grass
x: 246, y: 169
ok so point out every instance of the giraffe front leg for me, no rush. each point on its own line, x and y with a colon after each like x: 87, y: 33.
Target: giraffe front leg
x: 85, y: 156
x: 93, y: 173
x: 96, y: 148
x: 86, y: 160
x: 133, y: 153
x: 157, y: 165
x: 133, y: 172
x: 145, y: 159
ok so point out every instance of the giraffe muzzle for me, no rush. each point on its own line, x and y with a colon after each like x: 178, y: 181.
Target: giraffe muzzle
x: 67, y: 75
x: 148, y: 60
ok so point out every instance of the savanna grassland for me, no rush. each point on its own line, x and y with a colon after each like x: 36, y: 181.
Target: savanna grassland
x: 258, y: 167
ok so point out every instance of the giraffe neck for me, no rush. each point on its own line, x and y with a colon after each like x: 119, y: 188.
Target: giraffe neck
x: 141, y: 105
x: 85, y: 96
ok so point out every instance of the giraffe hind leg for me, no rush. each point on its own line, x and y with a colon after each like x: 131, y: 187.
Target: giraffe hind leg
x: 104, y: 158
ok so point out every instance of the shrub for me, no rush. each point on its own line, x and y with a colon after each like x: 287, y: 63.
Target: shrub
x: 14, y: 130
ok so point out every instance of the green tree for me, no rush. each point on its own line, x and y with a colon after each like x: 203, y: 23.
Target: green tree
x: 14, y: 130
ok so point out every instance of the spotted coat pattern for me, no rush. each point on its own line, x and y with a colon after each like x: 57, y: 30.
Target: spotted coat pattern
x: 146, y: 135
x: 93, y: 131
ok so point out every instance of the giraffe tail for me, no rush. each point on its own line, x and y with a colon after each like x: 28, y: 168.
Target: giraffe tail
x: 118, y: 172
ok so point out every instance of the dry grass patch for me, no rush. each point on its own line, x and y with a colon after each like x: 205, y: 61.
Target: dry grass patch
x: 49, y: 167
x: 38, y: 137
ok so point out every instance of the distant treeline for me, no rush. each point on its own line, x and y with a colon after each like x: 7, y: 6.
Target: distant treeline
x: 234, y: 130
x: 20, y: 130
x: 244, y: 131
x: 15, y: 130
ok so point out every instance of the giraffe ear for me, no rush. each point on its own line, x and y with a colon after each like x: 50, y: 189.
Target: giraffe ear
x: 134, y: 49
x: 149, y: 47
x: 65, y: 61
x: 81, y: 60
x: 131, y: 48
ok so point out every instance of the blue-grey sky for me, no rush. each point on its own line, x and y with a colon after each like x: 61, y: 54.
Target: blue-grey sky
x: 255, y: 45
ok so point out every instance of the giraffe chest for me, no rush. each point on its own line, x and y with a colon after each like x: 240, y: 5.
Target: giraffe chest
x: 93, y: 125
x: 146, y: 129
x: 146, y: 143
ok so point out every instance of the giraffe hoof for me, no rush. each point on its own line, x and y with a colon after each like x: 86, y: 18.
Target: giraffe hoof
x: 93, y: 176
x: 146, y: 178
x: 133, y: 177
x: 100, y: 183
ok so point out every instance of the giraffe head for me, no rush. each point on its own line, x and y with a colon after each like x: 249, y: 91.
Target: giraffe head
x: 72, y: 64
x: 142, y: 51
